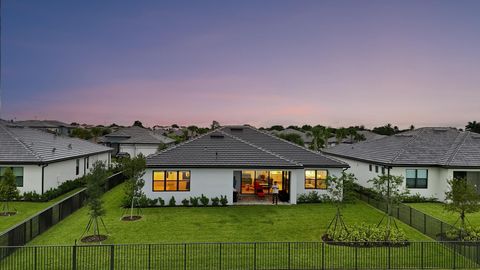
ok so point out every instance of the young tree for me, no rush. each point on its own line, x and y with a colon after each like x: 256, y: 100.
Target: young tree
x: 462, y: 198
x: 95, y: 189
x: 8, y: 192
x: 340, y: 191
x: 389, y: 187
x: 134, y: 169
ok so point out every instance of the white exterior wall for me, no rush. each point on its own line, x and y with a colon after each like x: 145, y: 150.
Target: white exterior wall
x: 217, y: 182
x: 209, y: 182
x: 135, y: 149
x: 437, y: 177
x: 55, y: 173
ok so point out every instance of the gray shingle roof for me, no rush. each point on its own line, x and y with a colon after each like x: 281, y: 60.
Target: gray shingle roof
x: 241, y: 147
x: 43, y: 124
x: 446, y: 147
x: 136, y: 135
x: 26, y: 145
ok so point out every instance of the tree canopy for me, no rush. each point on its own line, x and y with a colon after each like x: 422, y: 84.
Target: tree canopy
x: 473, y: 127
x: 462, y: 198
x: 8, y: 190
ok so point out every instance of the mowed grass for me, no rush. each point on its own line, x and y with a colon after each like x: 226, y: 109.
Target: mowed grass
x: 438, y: 211
x: 305, y: 222
x: 28, y: 209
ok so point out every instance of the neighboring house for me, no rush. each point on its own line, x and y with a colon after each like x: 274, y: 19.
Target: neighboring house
x: 52, y: 126
x: 41, y: 160
x: 307, y: 137
x: 237, y: 159
x: 135, y: 140
x: 368, y: 135
x: 425, y: 157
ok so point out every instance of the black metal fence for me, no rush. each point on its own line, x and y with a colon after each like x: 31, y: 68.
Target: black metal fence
x: 22, y: 233
x: 273, y: 255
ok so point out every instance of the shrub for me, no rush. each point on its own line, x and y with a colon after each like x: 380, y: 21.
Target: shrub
x: 172, y: 202
x: 194, y: 201
x: 417, y: 198
x: 365, y: 234
x: 185, y: 202
x: 471, y: 234
x: 31, y: 196
x: 53, y: 193
x: 215, y: 201
x: 204, y: 200
x: 312, y: 197
x: 223, y: 200
x: 161, y: 201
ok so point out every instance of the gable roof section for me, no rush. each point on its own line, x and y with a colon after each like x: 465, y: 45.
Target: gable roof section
x: 21, y: 145
x: 446, y: 147
x: 43, y: 124
x: 228, y: 147
x: 136, y: 135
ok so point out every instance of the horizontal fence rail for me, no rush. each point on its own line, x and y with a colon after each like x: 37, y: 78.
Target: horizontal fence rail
x: 262, y: 255
x: 23, y: 232
x: 424, y: 223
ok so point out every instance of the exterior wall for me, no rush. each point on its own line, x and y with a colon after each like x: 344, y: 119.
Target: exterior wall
x: 55, y: 173
x: 217, y: 182
x: 209, y: 182
x: 300, y: 180
x: 437, y: 177
x: 135, y: 149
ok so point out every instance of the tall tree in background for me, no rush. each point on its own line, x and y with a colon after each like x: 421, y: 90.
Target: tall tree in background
x: 462, y: 198
x: 276, y: 127
x: 341, y: 134
x: 8, y: 192
x: 214, y: 125
x: 96, y: 132
x: 134, y: 169
x: 387, y: 130
x: 95, y: 189
x: 137, y: 123
x: 293, y: 137
x: 473, y: 127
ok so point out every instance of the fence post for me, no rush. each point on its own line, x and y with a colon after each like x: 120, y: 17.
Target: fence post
x: 185, y: 256
x: 255, y: 255
x: 410, y: 215
x: 220, y: 258
x: 441, y: 230
x: 35, y: 257
x: 74, y: 257
x: 112, y: 257
x: 289, y: 256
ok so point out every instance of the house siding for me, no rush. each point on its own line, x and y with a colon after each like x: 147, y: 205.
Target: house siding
x: 136, y: 149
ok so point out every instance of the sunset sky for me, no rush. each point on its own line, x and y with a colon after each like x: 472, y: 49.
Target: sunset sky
x: 335, y: 63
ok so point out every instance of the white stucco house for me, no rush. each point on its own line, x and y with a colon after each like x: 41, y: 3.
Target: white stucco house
x: 240, y: 161
x: 135, y: 140
x: 41, y: 160
x: 425, y: 157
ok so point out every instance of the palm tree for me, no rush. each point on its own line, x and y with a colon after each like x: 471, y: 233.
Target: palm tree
x: 473, y: 127
x: 341, y: 134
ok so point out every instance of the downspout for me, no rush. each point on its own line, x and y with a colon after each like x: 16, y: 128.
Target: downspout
x: 43, y: 176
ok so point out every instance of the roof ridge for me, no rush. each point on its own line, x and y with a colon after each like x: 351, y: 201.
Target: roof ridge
x: 22, y: 143
x: 296, y: 145
x: 260, y: 148
x: 457, y: 148
x: 402, y: 150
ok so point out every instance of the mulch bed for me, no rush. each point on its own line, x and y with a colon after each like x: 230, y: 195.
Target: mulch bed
x: 131, y: 218
x: 93, y: 238
x: 7, y: 214
x: 332, y: 242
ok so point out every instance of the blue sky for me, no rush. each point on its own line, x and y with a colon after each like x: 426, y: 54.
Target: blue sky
x: 260, y: 62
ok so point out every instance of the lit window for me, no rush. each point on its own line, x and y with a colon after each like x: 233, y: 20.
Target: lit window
x: 171, y: 181
x: 316, y: 179
x: 417, y: 178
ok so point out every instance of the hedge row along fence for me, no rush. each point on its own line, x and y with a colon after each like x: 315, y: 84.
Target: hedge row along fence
x: 22, y: 233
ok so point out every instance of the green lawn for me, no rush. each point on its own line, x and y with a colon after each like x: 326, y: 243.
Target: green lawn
x: 28, y: 209
x: 305, y: 222
x: 436, y: 210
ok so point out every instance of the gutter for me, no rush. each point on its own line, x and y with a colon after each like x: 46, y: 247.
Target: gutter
x: 43, y: 176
